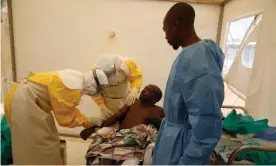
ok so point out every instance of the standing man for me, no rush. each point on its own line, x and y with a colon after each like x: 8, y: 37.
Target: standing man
x: 194, y: 94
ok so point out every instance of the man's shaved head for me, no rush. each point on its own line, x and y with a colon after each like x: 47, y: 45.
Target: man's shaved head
x: 179, y: 24
x: 182, y: 12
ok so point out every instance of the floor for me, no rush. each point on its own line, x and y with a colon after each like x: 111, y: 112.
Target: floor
x: 76, y: 150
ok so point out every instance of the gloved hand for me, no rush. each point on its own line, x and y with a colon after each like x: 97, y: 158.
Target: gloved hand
x: 105, y: 130
x: 105, y: 113
x: 95, y: 121
x: 132, y: 96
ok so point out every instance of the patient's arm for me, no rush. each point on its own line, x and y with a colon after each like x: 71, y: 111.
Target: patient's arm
x: 155, y: 121
x: 161, y: 112
x: 118, y: 116
x: 110, y: 121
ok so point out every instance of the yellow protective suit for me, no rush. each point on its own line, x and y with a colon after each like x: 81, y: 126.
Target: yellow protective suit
x: 28, y: 106
x: 114, y: 95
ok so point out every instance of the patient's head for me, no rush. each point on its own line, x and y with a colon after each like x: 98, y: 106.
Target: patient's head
x: 150, y: 95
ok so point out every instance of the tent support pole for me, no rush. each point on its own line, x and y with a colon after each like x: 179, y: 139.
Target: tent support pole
x: 219, y: 30
x: 12, y: 46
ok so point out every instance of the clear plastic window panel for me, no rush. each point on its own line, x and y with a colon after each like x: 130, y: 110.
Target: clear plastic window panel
x: 236, y: 33
x: 248, y: 54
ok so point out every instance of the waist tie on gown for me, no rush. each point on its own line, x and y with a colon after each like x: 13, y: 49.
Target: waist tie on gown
x: 177, y: 125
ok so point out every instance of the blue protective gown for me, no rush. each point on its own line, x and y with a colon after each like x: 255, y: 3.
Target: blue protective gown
x: 192, y: 104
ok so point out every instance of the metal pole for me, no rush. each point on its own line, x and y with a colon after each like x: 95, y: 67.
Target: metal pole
x: 244, y: 148
x: 221, y: 13
x: 236, y: 107
x: 10, y: 18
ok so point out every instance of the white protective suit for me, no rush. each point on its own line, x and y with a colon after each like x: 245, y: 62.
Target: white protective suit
x: 124, y: 82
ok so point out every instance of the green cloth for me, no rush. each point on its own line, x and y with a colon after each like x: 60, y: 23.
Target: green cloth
x: 6, y: 149
x: 258, y: 157
x: 242, y: 124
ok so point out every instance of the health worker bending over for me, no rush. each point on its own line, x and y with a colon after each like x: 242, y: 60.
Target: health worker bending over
x: 28, y: 106
x: 194, y: 94
x: 120, y: 71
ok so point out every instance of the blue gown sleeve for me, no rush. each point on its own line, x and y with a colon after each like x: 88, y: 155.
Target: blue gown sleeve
x: 203, y: 97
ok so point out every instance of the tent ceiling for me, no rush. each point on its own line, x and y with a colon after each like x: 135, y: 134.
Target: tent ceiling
x: 211, y: 2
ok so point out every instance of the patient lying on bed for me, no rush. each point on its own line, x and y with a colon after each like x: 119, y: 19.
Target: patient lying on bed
x: 138, y: 125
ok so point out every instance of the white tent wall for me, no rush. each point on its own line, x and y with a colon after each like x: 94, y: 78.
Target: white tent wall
x: 59, y: 34
x: 1, y: 108
x: 6, y: 64
x: 260, y: 96
x: 1, y: 59
x: 5, y: 49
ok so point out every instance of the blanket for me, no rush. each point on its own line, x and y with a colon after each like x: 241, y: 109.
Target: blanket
x: 121, y: 145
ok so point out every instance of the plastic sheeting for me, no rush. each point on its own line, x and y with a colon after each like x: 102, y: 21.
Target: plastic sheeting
x: 239, y: 74
x: 256, y: 84
x: 6, y: 64
x: 261, y: 93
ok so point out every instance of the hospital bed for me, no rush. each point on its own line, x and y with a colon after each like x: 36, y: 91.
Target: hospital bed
x: 225, y: 152
x: 231, y: 147
x: 147, y: 155
x: 228, y: 148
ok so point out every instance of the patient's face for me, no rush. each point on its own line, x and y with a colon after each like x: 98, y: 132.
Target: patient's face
x: 148, y: 94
